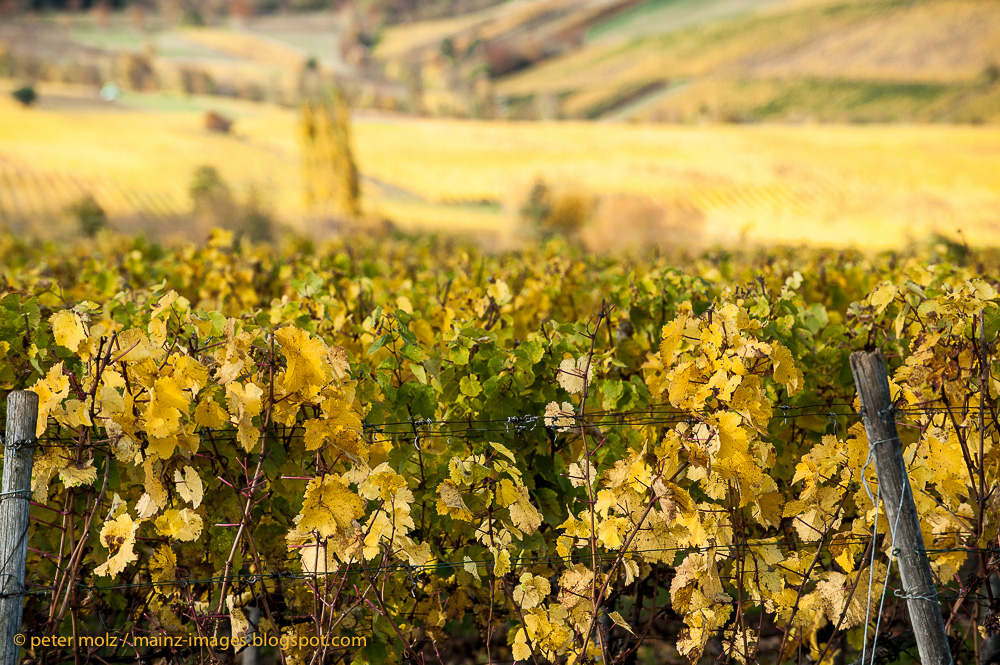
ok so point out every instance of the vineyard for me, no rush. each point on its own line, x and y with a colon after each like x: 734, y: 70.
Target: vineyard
x: 28, y: 193
x: 917, y: 62
x: 389, y: 450
x: 876, y: 187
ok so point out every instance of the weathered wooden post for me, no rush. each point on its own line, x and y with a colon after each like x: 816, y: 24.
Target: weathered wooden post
x: 19, y: 455
x: 252, y: 654
x: 872, y: 383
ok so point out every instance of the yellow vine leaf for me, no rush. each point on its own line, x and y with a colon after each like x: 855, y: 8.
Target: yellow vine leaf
x: 531, y: 591
x: 671, y: 335
x: 470, y: 566
x: 165, y: 617
x: 678, y: 380
x: 631, y: 569
x: 672, y: 498
x: 184, y: 524
x: 835, y: 590
x: 506, y: 493
x: 145, y: 506
x: 189, y: 485
x: 48, y: 462
x: 189, y: 373
x: 767, y: 508
x: 502, y: 565
x: 343, y: 428
x: 785, y: 371
x: 632, y: 471
x: 524, y: 515
x: 339, y: 363
x: 319, y: 557
x: 51, y: 391
x: 329, y: 507
x: 306, y: 357
x: 238, y: 622
x: 702, y: 623
x: 76, y: 475
x: 210, y: 415
x: 609, y: 532
x: 582, y: 473
x: 845, y: 548
x: 499, y: 291
x: 111, y: 403
x: 244, y: 404
x: 75, y: 414
x: 118, y: 536
x: 503, y: 450
x: 450, y: 502
x: 157, y: 332
x: 68, y: 329
x: 574, y: 585
x: 520, y: 649
x: 572, y: 374
x: 165, y: 302
x: 166, y: 403
x: 163, y: 564
x: 417, y: 554
x: 882, y: 296
x: 383, y: 483
x: 619, y: 621
x: 133, y: 345
x: 155, y: 489
x: 559, y: 417
x: 741, y: 644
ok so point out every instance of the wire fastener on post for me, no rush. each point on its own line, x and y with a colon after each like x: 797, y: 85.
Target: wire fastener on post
x: 20, y: 444
x: 19, y: 590
x: 931, y: 597
x: 23, y: 494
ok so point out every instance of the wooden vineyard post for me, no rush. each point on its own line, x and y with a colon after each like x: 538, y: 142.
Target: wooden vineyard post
x: 19, y: 455
x: 872, y: 383
x: 252, y: 654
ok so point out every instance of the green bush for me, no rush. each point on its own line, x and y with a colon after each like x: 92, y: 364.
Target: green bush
x: 26, y: 95
x: 990, y: 74
x: 258, y: 224
x: 555, y: 213
x: 89, y: 214
x: 537, y: 205
x: 212, y: 198
x: 192, y: 18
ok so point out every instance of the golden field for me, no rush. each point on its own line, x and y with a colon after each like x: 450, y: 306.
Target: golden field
x: 870, y: 185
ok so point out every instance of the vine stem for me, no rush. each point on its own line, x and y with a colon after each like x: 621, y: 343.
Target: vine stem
x: 385, y: 611
x: 594, y: 594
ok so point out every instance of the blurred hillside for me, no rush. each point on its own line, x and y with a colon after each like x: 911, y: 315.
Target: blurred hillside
x: 679, y: 121
x: 644, y: 60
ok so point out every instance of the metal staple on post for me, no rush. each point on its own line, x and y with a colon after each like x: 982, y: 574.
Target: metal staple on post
x: 19, y: 455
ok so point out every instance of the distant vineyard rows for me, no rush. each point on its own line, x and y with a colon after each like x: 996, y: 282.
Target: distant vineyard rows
x: 27, y: 194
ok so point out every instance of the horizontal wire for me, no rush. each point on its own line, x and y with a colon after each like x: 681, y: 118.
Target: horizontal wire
x: 515, y: 424
x: 454, y: 565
